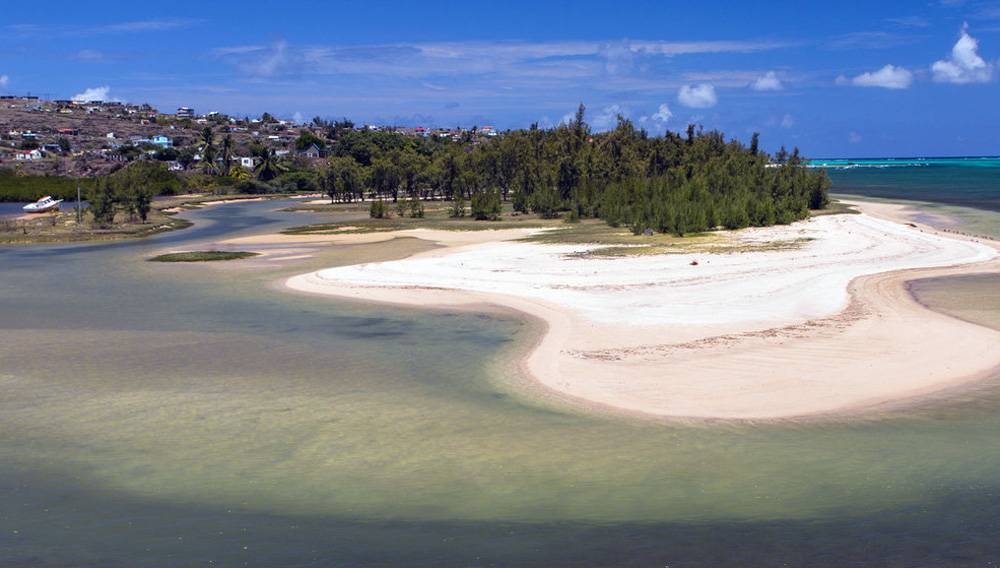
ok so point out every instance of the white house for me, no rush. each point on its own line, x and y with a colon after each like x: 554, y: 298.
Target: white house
x: 161, y: 141
x: 28, y: 155
x: 247, y: 162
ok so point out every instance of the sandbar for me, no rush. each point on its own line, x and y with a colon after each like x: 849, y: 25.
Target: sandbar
x: 824, y: 328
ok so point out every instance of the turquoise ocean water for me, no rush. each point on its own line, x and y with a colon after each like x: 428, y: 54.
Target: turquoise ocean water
x: 963, y: 181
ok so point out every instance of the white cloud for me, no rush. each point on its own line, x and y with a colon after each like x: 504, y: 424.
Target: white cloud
x: 298, y: 118
x: 607, y: 118
x: 697, y: 96
x: 618, y: 57
x: 888, y: 77
x: 787, y: 121
x: 94, y: 94
x: 271, y: 62
x: 4, y: 80
x: 136, y: 26
x: 549, y: 60
x: 767, y: 82
x: 663, y: 113
x: 965, y: 65
x: 853, y: 137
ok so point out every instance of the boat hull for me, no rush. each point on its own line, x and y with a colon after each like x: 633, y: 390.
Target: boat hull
x: 36, y: 208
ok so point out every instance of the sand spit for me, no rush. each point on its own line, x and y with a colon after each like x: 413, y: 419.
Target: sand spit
x: 827, y: 327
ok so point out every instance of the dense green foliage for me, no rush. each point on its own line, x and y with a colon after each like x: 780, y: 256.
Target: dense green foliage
x: 130, y: 190
x: 671, y: 183
x: 485, y: 205
x: 15, y: 187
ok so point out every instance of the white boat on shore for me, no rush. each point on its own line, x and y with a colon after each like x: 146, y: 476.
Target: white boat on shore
x: 42, y: 205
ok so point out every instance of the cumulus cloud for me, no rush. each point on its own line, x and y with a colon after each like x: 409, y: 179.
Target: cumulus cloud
x: 662, y: 115
x: 4, y: 80
x: 94, y: 94
x: 888, y: 77
x: 964, y: 65
x: 697, y: 96
x: 787, y: 121
x: 767, y: 82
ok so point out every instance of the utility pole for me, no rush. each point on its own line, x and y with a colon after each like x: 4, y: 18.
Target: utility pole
x: 79, y: 213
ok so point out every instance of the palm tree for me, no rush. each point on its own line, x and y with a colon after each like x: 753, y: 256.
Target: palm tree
x: 269, y: 166
x: 208, y: 154
x: 207, y: 136
x: 227, y: 154
x: 208, y: 160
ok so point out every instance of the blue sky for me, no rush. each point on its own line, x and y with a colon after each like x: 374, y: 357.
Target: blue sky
x: 844, y: 79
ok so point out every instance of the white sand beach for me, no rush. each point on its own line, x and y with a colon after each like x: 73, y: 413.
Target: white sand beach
x: 823, y: 327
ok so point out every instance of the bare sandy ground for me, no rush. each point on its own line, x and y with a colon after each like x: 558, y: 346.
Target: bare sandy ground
x: 824, y: 328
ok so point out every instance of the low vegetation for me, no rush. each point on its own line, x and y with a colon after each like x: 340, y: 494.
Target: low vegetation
x: 15, y: 187
x: 202, y: 256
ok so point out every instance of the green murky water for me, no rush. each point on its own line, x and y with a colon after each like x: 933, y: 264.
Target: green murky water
x: 160, y: 415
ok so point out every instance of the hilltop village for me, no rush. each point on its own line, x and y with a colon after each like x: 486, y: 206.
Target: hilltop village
x: 92, y: 138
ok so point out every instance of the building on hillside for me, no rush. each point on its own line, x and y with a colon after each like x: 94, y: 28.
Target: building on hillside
x: 185, y: 112
x: 248, y: 163
x: 161, y: 141
x: 28, y: 155
x: 313, y: 151
x: 69, y: 131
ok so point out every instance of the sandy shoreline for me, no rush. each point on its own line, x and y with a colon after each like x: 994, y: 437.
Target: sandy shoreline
x: 828, y: 327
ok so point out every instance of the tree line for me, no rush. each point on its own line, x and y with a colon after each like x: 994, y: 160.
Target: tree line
x: 671, y: 183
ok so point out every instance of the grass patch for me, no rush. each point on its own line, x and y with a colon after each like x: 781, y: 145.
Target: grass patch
x: 610, y: 241
x: 202, y: 256
x: 62, y: 228
x: 435, y: 217
x: 835, y: 208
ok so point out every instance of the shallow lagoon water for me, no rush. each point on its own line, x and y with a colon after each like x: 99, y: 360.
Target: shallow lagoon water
x: 164, y: 415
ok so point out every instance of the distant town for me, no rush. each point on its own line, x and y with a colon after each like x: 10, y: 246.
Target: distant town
x: 91, y: 138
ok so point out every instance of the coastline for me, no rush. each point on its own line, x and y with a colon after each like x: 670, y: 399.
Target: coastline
x: 877, y: 347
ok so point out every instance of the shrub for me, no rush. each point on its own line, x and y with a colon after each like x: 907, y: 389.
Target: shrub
x: 457, y: 206
x: 253, y: 187
x: 296, y: 181
x: 486, y: 205
x: 416, y: 209
x: 378, y: 210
